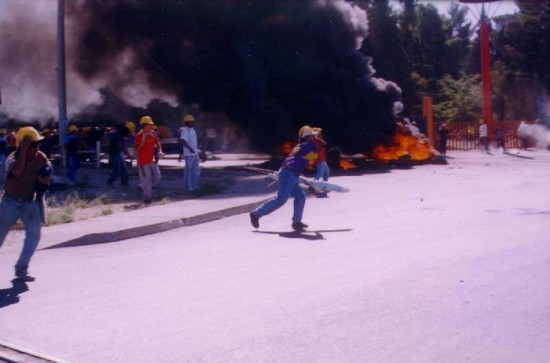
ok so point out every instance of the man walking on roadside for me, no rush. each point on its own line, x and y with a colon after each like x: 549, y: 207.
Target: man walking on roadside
x: 145, y: 142
x: 28, y: 169
x: 189, y: 141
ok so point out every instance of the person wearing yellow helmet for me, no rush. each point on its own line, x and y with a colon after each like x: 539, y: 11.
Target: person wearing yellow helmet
x: 189, y: 141
x: 27, y: 170
x: 295, y: 163
x: 145, y: 142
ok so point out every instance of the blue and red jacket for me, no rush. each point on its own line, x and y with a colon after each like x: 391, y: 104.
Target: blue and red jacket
x: 299, y: 158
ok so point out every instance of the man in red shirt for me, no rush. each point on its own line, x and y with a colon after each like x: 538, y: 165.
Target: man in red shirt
x: 145, y: 142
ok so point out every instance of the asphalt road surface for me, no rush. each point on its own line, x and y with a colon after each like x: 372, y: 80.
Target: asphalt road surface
x: 439, y: 263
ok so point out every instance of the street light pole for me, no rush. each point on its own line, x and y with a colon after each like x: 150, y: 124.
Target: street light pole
x: 61, y: 81
x: 485, y: 64
x: 486, y: 73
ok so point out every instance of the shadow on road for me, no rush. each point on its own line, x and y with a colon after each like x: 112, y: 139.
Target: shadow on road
x: 308, y: 235
x: 518, y: 155
x: 11, y: 296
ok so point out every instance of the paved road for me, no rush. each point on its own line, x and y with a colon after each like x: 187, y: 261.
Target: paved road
x: 440, y: 263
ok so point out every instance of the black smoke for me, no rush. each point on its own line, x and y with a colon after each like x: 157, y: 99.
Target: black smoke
x: 270, y: 66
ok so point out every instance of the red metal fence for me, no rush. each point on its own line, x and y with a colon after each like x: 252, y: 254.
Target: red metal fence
x: 465, y: 135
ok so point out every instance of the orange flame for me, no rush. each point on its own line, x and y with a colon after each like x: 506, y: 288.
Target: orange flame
x: 346, y: 164
x: 418, y: 148
x: 286, y: 148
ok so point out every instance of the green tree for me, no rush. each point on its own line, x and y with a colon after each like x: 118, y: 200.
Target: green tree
x: 461, y: 98
x: 522, y: 67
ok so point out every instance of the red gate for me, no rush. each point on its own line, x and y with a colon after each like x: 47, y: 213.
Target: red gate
x: 464, y: 135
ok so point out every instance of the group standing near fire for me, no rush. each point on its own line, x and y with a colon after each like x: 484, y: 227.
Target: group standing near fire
x: 28, y: 170
x: 299, y: 158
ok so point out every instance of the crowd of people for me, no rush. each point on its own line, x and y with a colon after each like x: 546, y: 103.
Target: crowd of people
x: 26, y: 168
x: 26, y: 164
x: 27, y: 156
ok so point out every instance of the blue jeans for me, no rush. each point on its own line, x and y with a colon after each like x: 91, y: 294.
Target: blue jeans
x: 73, y: 163
x: 288, y: 185
x: 191, y: 172
x: 118, y: 163
x: 323, y: 171
x: 12, y: 209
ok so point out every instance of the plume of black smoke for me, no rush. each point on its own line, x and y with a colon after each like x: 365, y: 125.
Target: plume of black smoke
x: 271, y: 66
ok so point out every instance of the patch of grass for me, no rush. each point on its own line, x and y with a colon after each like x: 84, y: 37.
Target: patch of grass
x: 106, y: 212
x: 62, y: 208
x: 60, y: 215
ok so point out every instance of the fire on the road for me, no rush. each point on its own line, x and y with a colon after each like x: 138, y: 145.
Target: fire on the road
x: 404, y: 144
x: 346, y: 164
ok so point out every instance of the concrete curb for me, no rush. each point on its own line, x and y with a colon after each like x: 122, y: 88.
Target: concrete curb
x: 107, y: 237
x: 13, y: 353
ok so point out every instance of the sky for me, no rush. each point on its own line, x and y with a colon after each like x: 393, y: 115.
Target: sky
x: 494, y: 8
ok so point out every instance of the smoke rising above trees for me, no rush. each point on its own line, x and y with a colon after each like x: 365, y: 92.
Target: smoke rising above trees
x: 269, y: 66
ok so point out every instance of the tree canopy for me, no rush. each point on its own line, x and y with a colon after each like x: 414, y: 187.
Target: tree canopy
x: 428, y: 53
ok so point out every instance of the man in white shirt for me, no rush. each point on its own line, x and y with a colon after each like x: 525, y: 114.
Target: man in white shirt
x: 483, y: 135
x: 189, y: 140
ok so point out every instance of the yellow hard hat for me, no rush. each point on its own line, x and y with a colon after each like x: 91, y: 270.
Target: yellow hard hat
x: 146, y: 120
x: 188, y: 118
x: 131, y: 126
x: 27, y: 131
x: 73, y: 128
x: 305, y: 131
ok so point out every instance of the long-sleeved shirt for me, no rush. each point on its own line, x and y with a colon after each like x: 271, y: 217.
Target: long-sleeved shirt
x: 299, y: 158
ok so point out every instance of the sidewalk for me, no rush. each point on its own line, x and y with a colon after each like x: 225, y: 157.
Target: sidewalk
x: 241, y: 198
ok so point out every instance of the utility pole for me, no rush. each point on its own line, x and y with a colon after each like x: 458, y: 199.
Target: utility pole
x: 486, y: 88
x: 61, y: 81
x: 486, y: 73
